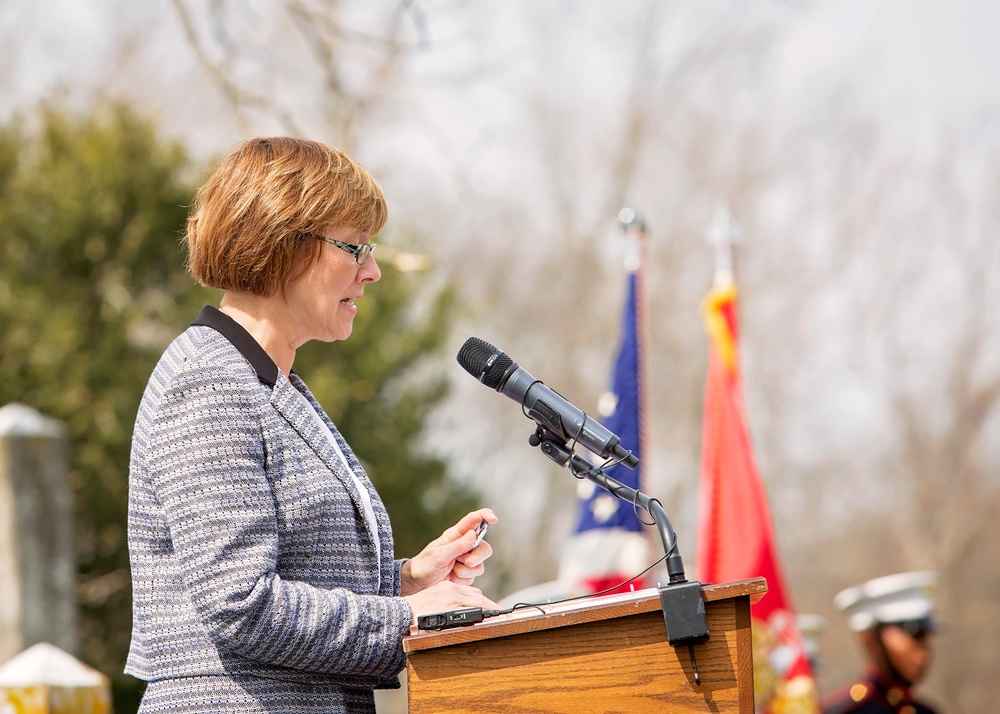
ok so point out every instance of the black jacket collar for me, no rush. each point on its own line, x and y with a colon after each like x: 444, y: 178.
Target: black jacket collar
x: 267, y: 370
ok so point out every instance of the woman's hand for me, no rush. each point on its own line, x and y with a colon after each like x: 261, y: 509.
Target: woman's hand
x: 450, y: 557
x: 446, y: 596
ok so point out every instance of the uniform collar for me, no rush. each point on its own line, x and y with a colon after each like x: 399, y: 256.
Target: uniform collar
x: 895, y: 690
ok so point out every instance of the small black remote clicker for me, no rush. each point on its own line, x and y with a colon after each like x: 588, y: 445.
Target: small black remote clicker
x: 452, y: 618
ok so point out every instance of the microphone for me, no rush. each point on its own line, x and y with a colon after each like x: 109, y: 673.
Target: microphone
x: 548, y: 409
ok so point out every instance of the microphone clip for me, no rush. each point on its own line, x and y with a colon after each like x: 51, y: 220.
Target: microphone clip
x: 555, y: 448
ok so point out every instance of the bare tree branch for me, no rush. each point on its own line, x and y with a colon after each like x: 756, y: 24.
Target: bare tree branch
x: 236, y: 95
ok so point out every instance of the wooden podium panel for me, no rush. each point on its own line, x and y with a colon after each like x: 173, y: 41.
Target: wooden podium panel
x: 607, y: 654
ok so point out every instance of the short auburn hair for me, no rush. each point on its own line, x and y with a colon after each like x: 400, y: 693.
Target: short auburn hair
x: 246, y: 230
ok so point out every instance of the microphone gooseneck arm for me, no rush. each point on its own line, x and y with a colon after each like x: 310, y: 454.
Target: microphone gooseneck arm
x: 562, y: 455
x: 680, y: 599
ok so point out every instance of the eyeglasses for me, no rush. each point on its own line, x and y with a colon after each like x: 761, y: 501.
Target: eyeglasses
x: 360, y: 251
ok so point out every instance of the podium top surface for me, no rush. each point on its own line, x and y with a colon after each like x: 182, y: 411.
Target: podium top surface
x: 571, y: 612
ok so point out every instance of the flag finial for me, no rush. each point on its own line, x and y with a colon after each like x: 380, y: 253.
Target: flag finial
x: 630, y: 219
x: 722, y: 234
x: 635, y: 228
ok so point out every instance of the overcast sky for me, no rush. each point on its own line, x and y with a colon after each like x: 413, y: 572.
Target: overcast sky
x: 926, y: 69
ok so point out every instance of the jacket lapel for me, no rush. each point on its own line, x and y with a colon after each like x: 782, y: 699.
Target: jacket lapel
x: 287, y: 401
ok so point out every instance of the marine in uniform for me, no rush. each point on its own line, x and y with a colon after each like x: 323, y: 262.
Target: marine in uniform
x: 893, y: 618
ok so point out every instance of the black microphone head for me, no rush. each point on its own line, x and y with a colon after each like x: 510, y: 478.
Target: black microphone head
x: 484, y: 362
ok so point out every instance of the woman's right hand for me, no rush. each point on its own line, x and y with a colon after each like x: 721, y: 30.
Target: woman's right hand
x: 451, y: 556
x: 446, y: 595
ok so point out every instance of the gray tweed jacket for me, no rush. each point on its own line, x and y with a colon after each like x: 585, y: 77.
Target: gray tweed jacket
x: 250, y: 551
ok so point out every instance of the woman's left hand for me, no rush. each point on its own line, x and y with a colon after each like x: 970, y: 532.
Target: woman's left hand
x: 449, y: 557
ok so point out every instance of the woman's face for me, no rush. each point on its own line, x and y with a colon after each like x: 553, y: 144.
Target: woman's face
x: 321, y: 299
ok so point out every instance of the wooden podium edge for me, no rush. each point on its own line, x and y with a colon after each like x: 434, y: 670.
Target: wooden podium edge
x: 545, y: 617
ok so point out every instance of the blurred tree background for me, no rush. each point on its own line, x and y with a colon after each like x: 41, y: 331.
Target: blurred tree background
x: 93, y: 284
x: 92, y: 209
x: 857, y: 144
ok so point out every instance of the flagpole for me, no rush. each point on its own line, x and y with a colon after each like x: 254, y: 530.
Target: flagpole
x: 609, y: 543
x: 634, y: 228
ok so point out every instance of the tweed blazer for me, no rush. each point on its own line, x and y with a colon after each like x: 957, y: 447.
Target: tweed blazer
x: 250, y: 552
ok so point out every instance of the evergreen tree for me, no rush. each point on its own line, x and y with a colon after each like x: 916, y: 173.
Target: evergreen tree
x: 92, y: 289
x: 93, y: 286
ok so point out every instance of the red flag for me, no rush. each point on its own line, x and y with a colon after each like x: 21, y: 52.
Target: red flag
x: 735, y: 537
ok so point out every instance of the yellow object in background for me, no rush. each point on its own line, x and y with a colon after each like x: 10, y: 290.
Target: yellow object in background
x: 45, y: 680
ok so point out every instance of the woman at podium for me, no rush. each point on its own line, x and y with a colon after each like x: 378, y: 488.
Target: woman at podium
x: 264, y: 578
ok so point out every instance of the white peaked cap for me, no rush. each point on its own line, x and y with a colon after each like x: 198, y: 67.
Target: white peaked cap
x: 892, y: 598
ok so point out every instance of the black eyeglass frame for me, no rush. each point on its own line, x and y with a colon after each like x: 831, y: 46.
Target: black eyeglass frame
x: 361, y: 251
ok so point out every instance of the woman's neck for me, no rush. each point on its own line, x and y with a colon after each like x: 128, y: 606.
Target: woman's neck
x: 267, y: 322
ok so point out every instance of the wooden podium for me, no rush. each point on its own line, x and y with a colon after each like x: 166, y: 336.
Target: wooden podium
x: 606, y: 654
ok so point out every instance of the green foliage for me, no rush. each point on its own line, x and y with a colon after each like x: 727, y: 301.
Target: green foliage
x: 90, y: 214
x: 93, y: 288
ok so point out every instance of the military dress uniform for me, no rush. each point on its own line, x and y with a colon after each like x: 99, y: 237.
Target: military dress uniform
x: 875, y: 694
x: 903, y: 600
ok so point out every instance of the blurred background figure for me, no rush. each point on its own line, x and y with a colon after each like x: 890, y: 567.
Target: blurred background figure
x: 893, y: 616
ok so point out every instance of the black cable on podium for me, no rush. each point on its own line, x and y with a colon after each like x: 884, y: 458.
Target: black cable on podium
x: 680, y: 599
